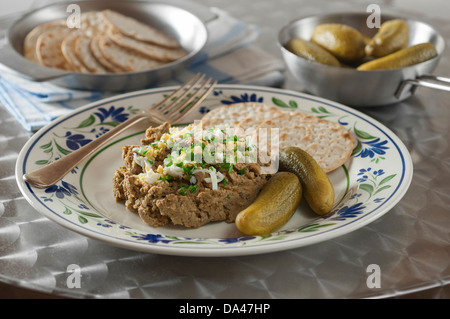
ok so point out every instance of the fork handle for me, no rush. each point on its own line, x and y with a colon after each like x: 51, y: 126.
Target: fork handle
x: 50, y: 174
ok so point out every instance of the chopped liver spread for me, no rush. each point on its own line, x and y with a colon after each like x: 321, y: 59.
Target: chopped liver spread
x: 182, y: 176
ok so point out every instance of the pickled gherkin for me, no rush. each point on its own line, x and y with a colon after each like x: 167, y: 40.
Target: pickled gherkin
x: 392, y: 36
x: 317, y: 187
x: 402, y: 58
x: 346, y: 43
x: 310, y: 51
x: 274, y: 206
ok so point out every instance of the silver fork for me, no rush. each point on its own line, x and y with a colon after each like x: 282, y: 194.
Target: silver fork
x: 175, y: 106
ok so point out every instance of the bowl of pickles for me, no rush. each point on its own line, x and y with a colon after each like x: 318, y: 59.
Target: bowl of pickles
x: 339, y: 57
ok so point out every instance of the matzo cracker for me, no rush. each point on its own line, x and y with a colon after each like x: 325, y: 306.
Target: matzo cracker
x: 126, y: 59
x: 30, y: 42
x: 68, y: 50
x: 138, y: 30
x: 86, y: 56
x: 150, y: 50
x: 328, y: 142
x: 49, y: 51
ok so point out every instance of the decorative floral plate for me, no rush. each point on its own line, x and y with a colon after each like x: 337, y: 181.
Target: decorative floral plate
x: 372, y: 181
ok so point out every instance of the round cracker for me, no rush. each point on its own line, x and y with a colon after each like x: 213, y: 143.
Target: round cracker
x: 137, y: 30
x: 97, y: 53
x: 30, y: 41
x: 92, y: 24
x: 48, y: 48
x: 241, y: 111
x: 85, y: 55
x: 126, y: 59
x: 329, y: 143
x: 152, y: 51
x: 245, y: 115
x: 219, y: 123
x: 68, y: 50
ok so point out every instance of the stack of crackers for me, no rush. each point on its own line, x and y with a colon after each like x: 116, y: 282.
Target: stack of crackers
x: 105, y: 42
x: 329, y: 143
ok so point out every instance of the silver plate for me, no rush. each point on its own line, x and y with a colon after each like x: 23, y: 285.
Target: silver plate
x: 180, y: 23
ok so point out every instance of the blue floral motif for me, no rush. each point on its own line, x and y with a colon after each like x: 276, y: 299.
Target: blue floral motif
x: 363, y: 173
x: 153, y: 238
x: 60, y: 191
x: 375, y: 146
x: 75, y: 141
x: 379, y: 172
x: 104, y: 225
x: 356, y: 195
x: 243, y: 98
x: 369, y: 181
x: 116, y: 115
x: 203, y: 110
x: 101, y: 130
x: 236, y: 239
x: 364, y: 176
x: 348, y: 212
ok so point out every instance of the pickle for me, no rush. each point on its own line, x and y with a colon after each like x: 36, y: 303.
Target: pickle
x: 274, y: 206
x: 310, y: 51
x: 367, y: 39
x: 402, y: 58
x: 317, y: 187
x: 344, y: 42
x: 392, y: 36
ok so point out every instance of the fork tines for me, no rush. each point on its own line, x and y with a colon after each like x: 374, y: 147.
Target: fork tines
x: 180, y: 102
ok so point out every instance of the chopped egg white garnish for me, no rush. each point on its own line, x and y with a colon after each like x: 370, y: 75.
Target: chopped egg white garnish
x: 193, y: 150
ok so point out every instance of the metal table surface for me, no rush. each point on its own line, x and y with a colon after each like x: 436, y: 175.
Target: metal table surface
x: 411, y: 243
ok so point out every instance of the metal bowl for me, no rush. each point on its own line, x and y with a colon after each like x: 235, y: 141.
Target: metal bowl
x: 175, y: 21
x: 361, y: 88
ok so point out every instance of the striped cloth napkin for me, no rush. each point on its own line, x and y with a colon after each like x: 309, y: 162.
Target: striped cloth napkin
x: 228, y: 57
